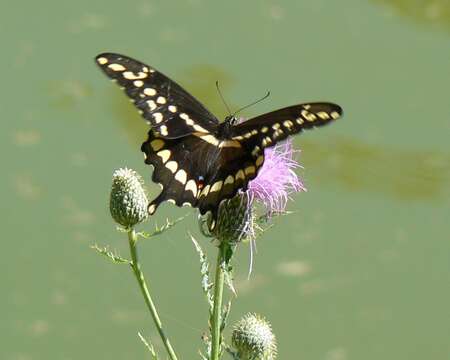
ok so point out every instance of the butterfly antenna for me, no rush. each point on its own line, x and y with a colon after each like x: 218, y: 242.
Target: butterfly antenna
x: 221, y: 96
x: 253, y: 103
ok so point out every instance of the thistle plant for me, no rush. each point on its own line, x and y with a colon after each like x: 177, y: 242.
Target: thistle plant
x: 240, y: 219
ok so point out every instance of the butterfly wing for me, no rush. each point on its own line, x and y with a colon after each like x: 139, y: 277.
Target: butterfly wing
x: 170, y: 110
x: 268, y: 129
x: 197, y: 170
x: 201, y: 170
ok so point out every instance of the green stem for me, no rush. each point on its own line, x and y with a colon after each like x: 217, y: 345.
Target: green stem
x: 217, y: 309
x: 132, y: 239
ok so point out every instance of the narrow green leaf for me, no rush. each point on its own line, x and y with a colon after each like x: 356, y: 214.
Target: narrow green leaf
x: 204, y: 272
x: 149, y: 346
x: 115, y: 258
x: 159, y: 230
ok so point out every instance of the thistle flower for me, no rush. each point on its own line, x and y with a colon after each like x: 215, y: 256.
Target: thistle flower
x: 253, y: 338
x: 276, y: 179
x: 128, y: 200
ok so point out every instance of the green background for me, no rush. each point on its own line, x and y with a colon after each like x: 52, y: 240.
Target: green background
x: 359, y: 271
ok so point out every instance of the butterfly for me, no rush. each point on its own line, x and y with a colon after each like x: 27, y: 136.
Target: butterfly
x: 197, y: 160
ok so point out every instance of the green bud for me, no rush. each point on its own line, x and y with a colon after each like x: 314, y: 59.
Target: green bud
x: 128, y: 201
x: 253, y: 338
x: 234, y: 220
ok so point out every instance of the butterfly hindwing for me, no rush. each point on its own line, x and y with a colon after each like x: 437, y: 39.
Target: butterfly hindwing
x: 170, y: 110
x: 268, y: 129
x: 195, y: 171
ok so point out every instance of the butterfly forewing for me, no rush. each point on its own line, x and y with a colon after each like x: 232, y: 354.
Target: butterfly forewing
x: 268, y: 129
x: 171, y: 110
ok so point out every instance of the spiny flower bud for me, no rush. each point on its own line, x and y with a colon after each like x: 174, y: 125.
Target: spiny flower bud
x: 128, y: 201
x: 253, y: 338
x: 233, y: 220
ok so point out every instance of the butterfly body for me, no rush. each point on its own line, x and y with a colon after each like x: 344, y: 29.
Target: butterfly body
x: 198, y: 160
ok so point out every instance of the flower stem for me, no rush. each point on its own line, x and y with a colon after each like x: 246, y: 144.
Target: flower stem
x: 217, y: 309
x: 132, y: 239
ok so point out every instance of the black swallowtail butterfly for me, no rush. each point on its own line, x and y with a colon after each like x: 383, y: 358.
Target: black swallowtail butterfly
x: 197, y: 160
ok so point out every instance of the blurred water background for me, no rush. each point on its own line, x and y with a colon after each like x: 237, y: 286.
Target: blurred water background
x: 359, y: 271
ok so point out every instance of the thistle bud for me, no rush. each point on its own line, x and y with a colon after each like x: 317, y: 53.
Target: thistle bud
x: 234, y: 220
x: 253, y: 338
x: 128, y: 201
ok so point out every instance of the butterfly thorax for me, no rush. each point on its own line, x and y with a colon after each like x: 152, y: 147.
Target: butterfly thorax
x: 225, y: 128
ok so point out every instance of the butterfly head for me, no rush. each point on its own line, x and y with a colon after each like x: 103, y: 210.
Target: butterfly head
x: 232, y: 120
x: 225, y: 128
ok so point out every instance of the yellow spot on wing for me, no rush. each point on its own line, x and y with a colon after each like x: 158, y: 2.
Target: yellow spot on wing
x: 157, y: 144
x: 172, y: 166
x: 163, y: 130
x: 151, y: 104
x: 278, y: 133
x: 199, y: 128
x: 323, y: 115
x: 308, y: 116
x: 208, y: 138
x: 217, y: 186
x: 181, y: 176
x: 240, y: 175
x: 288, y: 123
x: 335, y: 115
x: 205, y: 191
x: 161, y: 100
x: 256, y: 150
x: 150, y: 91
x: 250, y: 170
x: 102, y: 60
x: 116, y: 67
x: 158, y: 117
x: 266, y: 141
x: 259, y: 160
x: 229, y: 143
x: 191, y: 186
x: 164, y: 155
x: 129, y: 75
x: 229, y: 180
x: 138, y: 83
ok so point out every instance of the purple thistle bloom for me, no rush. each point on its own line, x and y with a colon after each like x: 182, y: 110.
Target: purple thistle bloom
x: 272, y: 187
x: 276, y: 179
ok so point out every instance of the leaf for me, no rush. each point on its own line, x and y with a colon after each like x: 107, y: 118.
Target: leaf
x: 228, y: 272
x: 159, y: 230
x: 115, y: 258
x: 149, y: 346
x: 225, y: 312
x: 204, y: 272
